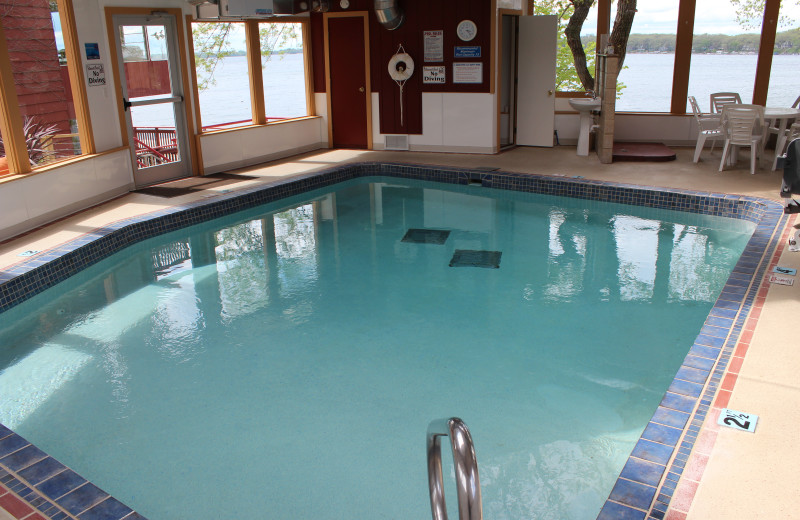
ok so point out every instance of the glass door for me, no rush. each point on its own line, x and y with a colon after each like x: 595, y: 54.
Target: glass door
x: 153, y: 96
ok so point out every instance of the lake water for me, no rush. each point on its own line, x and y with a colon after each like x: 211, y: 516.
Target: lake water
x: 648, y: 80
x: 228, y: 99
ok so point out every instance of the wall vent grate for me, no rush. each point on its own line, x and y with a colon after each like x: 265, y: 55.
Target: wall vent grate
x: 395, y: 142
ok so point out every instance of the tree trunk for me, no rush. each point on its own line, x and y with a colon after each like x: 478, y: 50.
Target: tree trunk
x: 573, y: 34
x: 626, y: 9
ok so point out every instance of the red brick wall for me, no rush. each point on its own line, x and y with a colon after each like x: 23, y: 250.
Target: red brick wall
x: 147, y: 78
x: 41, y: 90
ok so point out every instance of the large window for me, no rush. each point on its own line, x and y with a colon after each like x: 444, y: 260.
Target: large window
x: 283, y: 65
x: 42, y: 83
x: 724, y: 54
x: 649, y: 58
x: 239, y: 64
x: 784, y: 80
x: 567, y: 79
x: 223, y: 84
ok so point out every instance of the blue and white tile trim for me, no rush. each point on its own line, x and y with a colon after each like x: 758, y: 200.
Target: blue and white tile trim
x: 648, y: 479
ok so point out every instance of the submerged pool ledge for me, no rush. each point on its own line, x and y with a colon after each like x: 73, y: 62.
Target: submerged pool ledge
x: 30, y: 480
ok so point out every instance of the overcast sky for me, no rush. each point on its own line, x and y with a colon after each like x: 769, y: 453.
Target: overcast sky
x: 711, y: 16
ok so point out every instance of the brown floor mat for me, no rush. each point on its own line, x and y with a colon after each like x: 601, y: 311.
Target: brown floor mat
x: 650, y: 152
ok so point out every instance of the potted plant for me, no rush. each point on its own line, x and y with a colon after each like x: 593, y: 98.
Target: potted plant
x: 38, y: 140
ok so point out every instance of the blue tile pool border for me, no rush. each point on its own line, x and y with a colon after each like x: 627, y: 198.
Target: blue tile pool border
x: 648, y: 479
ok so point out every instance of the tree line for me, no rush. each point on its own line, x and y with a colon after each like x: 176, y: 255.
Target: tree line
x: 786, y: 42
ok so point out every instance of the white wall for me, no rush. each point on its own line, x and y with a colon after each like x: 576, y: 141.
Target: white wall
x: 43, y: 197
x: 451, y: 122
x: 247, y: 146
x: 629, y: 127
x: 655, y: 128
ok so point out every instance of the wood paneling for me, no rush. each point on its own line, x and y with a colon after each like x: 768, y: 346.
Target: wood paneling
x: 420, y: 16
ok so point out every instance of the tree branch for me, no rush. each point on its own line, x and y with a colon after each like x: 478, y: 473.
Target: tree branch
x: 626, y: 10
x: 573, y: 34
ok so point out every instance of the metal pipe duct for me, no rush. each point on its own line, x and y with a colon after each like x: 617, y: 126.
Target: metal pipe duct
x: 389, y: 14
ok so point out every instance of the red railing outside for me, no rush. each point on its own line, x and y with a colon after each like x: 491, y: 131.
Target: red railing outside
x: 155, y: 145
x: 220, y: 126
x: 158, y: 144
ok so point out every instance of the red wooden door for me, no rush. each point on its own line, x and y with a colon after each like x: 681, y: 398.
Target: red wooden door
x: 348, y: 82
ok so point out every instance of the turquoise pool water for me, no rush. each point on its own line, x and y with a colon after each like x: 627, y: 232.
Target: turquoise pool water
x: 285, y: 362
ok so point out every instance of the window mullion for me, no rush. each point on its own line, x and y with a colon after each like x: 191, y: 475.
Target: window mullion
x: 311, y: 108
x: 765, y: 50
x: 81, y: 102
x: 10, y: 114
x: 683, y: 56
x: 254, y: 72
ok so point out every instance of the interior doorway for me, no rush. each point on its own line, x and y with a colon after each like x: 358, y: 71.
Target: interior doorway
x: 347, y: 75
x: 507, y: 99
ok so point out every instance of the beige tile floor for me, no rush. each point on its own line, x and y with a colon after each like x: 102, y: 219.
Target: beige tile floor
x: 744, y: 476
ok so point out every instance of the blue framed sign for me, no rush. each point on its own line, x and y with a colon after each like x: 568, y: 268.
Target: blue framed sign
x: 468, y: 52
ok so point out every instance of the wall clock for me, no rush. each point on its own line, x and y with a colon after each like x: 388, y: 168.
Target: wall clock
x: 467, y: 30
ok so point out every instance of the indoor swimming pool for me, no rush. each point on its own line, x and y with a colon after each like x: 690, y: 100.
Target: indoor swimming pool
x: 284, y: 361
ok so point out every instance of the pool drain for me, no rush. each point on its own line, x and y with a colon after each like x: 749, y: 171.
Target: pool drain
x: 426, y: 236
x: 471, y: 258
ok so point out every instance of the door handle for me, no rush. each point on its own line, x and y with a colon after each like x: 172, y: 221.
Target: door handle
x: 126, y: 104
x: 549, y: 92
x: 361, y: 89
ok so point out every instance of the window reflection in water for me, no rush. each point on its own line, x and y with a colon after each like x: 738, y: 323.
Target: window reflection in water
x: 295, y: 243
x: 645, y: 255
x: 567, y: 242
x: 637, y: 246
x: 241, y: 267
x: 693, y: 277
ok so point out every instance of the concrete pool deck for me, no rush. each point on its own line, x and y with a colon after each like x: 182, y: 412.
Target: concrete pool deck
x: 730, y: 474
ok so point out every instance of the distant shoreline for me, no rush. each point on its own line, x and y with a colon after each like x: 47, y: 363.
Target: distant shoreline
x: 786, y: 42
x: 716, y: 53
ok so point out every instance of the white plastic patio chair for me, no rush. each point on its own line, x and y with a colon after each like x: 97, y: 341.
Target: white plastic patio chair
x: 709, y: 126
x: 742, y: 125
x: 720, y: 99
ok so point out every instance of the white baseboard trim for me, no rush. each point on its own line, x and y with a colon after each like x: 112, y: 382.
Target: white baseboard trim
x: 444, y: 149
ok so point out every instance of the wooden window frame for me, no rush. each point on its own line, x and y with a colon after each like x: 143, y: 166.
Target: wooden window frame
x: 11, y: 116
x: 254, y: 72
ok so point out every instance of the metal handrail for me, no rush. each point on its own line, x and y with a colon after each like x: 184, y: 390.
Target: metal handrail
x: 468, y: 484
